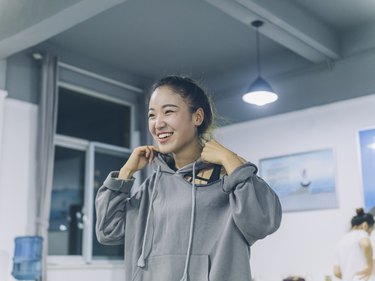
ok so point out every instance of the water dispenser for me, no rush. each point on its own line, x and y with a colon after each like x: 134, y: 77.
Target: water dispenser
x: 27, y: 258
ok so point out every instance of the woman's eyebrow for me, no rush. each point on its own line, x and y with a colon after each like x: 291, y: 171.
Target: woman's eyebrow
x: 164, y: 106
x: 169, y: 105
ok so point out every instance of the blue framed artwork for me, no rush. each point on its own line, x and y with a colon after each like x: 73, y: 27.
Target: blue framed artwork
x: 367, y: 151
x: 303, y: 181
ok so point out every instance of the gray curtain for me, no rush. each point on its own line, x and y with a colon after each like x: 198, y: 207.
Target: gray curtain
x: 47, y: 117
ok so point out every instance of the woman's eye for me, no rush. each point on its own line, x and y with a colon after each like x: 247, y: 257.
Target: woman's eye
x: 150, y: 116
x: 168, y: 111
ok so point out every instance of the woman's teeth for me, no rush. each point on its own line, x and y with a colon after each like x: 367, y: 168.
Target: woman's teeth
x: 164, y: 135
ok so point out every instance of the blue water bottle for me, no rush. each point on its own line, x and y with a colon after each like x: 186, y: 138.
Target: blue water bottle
x: 27, y: 258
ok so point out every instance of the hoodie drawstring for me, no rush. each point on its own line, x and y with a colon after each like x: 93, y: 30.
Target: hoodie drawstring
x: 141, y: 260
x: 192, y: 218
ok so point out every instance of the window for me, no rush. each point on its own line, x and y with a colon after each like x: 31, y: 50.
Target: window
x: 66, y: 222
x: 88, y: 117
x: 93, y: 138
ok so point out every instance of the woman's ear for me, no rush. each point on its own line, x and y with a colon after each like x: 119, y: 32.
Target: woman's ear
x: 364, y: 226
x: 198, y: 116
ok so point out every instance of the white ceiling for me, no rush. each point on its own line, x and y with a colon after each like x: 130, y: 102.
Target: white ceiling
x: 341, y: 15
x: 213, y: 41
x: 152, y: 38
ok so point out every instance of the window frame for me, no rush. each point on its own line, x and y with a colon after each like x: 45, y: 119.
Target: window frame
x: 88, y: 207
x: 90, y: 148
x: 98, y: 95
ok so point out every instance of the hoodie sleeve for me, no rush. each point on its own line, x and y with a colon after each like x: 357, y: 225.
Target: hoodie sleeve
x: 256, y: 209
x: 110, y: 205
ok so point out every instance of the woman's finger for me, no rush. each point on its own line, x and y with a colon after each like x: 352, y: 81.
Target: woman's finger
x: 147, y: 152
x: 151, y: 154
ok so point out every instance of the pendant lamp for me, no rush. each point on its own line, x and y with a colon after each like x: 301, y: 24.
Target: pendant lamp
x: 260, y: 91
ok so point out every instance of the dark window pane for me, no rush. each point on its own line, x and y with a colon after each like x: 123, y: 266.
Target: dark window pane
x: 86, y: 117
x: 105, y: 163
x: 66, y: 226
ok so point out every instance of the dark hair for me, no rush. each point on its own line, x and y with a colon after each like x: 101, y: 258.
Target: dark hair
x: 195, y: 96
x: 362, y: 217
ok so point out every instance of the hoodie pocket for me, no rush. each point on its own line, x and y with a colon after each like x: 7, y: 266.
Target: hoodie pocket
x: 171, y: 268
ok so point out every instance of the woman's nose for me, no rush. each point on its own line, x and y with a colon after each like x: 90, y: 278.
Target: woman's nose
x: 160, y: 123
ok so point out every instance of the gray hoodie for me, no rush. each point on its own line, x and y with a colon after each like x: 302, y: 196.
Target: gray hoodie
x: 176, y: 230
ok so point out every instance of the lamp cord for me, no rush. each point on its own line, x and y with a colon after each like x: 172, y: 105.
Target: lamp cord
x: 257, y: 24
x: 258, y: 50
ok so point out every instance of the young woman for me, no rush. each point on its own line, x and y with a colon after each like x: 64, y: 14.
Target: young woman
x: 354, y: 256
x: 195, y: 217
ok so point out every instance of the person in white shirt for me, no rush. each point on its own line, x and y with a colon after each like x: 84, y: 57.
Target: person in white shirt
x: 354, y: 254
x: 372, y: 238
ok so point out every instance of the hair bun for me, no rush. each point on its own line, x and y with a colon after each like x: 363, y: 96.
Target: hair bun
x: 360, y: 212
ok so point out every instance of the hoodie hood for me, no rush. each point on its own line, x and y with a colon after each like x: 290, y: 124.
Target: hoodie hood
x: 166, y: 164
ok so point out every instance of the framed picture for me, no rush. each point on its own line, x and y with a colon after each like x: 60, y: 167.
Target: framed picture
x: 303, y: 181
x: 367, y: 153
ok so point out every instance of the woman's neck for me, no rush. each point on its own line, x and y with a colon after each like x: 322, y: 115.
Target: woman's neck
x: 187, y: 156
x: 358, y: 228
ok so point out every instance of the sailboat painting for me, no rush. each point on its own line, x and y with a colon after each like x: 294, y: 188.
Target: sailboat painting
x: 303, y: 181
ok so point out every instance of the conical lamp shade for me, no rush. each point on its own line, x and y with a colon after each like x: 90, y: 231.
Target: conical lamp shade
x: 260, y: 93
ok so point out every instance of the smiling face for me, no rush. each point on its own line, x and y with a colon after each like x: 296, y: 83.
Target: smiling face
x: 172, y: 124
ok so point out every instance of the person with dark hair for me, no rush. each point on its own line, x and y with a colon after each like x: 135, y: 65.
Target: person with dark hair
x: 196, y: 216
x: 354, y: 254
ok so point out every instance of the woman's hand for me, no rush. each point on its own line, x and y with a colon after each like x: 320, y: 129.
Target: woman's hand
x: 365, y: 274
x: 337, y: 271
x: 140, y: 157
x: 214, y: 152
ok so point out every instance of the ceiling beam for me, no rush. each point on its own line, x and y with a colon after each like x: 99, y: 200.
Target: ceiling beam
x: 286, y: 24
x: 3, y: 72
x: 50, y: 25
x: 358, y: 39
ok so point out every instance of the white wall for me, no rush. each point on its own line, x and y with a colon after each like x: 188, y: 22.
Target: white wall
x: 80, y: 272
x: 304, y: 244
x: 17, y: 170
x: 3, y: 95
